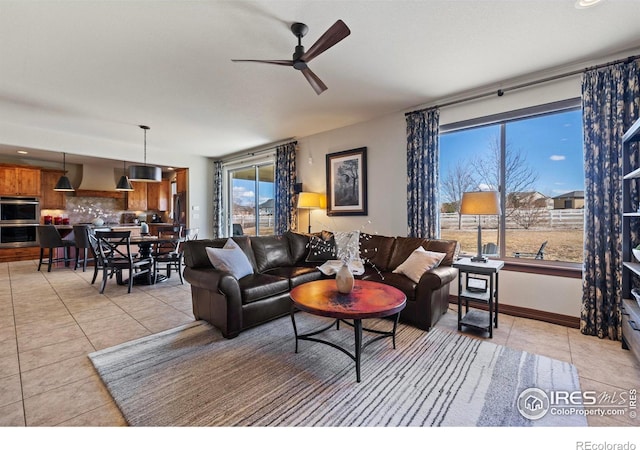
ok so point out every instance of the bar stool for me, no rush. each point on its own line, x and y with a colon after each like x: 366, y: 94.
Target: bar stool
x: 49, y: 238
x: 81, y: 234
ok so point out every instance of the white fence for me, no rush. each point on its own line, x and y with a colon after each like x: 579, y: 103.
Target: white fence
x: 549, y: 219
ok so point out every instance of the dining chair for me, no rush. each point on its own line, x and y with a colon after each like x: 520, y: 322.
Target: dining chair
x: 114, y: 248
x: 168, y: 254
x: 49, y: 238
x: 83, y: 246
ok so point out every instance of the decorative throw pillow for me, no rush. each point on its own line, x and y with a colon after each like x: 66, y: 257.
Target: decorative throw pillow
x: 348, y: 245
x: 321, y: 250
x: 418, y: 262
x: 230, y: 258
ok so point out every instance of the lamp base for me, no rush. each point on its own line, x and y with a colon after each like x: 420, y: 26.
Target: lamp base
x: 480, y: 259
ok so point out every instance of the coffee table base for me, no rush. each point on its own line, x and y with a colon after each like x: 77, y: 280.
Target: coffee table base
x: 358, y: 329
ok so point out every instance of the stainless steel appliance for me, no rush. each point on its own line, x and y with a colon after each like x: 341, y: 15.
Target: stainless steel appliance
x: 19, y: 210
x: 17, y: 235
x: 19, y: 219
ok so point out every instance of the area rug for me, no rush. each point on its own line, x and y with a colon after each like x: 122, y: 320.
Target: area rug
x: 192, y: 376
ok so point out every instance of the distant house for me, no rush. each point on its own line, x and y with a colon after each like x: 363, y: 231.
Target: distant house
x: 266, y: 207
x: 531, y: 199
x: 569, y: 200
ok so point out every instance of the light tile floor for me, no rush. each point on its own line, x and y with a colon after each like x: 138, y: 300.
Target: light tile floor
x: 49, y: 322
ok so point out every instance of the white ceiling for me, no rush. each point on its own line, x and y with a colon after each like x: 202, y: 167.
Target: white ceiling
x: 80, y: 76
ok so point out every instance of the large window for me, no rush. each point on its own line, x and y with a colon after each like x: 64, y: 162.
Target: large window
x: 534, y: 158
x: 250, y: 199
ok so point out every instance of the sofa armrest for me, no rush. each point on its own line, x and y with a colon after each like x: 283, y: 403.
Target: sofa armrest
x: 213, y: 280
x: 436, y: 278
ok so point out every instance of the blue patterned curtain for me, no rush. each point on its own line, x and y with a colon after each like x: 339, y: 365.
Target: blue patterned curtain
x: 217, y: 199
x: 610, y: 100
x: 423, y: 152
x: 285, y: 207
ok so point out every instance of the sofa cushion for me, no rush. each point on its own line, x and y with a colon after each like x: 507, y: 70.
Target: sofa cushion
x: 451, y: 248
x: 403, y: 247
x: 270, y: 252
x: 297, y: 275
x: 230, y: 258
x: 257, y: 286
x: 375, y: 250
x: 418, y: 263
x: 298, y: 246
x: 321, y: 249
x: 347, y: 244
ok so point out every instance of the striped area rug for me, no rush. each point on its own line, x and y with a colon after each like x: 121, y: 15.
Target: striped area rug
x: 191, y: 376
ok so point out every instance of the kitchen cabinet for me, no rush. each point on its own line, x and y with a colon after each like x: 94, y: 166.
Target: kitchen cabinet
x: 158, y: 196
x: 16, y: 180
x: 49, y: 198
x: 181, y: 180
x: 136, y: 200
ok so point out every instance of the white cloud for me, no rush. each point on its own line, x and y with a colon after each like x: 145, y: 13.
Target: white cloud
x: 557, y: 157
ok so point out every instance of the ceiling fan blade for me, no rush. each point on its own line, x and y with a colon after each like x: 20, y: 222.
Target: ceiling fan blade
x: 315, y: 82
x: 279, y: 62
x: 337, y: 32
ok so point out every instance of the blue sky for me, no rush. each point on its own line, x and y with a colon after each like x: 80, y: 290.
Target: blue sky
x: 552, y: 144
x: 244, y: 191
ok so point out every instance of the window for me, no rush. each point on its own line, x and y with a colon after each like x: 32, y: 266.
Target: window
x: 534, y: 158
x: 249, y: 198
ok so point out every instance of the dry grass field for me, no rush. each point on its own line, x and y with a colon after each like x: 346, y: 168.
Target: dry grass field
x: 563, y: 245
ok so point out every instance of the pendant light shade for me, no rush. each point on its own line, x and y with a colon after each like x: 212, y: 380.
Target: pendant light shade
x: 123, y: 183
x: 63, y: 184
x: 148, y: 174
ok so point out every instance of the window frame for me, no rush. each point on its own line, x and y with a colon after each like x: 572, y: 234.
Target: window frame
x: 554, y: 268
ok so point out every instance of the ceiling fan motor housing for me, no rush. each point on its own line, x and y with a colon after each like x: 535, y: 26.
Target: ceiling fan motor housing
x: 298, y: 63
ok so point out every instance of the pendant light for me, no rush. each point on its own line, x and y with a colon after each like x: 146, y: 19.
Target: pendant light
x: 148, y: 174
x: 63, y: 184
x: 123, y: 184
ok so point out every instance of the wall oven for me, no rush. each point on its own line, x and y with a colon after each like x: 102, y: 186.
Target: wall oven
x: 19, y: 210
x: 19, y: 219
x: 17, y: 235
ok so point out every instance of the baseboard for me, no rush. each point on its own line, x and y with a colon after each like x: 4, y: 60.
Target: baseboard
x: 528, y: 313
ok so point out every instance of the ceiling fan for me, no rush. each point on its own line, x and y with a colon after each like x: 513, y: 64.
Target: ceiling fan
x: 337, y: 32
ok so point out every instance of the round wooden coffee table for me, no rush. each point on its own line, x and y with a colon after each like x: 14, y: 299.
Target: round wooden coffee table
x: 368, y: 299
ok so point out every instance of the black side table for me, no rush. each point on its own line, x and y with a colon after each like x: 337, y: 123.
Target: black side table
x: 483, y: 289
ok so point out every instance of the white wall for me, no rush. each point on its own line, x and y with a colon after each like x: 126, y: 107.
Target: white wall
x: 385, y: 139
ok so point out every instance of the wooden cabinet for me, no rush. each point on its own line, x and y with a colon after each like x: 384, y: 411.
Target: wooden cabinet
x: 158, y: 196
x: 182, y: 180
x: 50, y: 199
x: 136, y: 200
x: 630, y: 264
x: 15, y: 180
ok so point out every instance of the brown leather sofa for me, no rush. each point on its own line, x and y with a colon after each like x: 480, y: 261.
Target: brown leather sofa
x: 279, y: 264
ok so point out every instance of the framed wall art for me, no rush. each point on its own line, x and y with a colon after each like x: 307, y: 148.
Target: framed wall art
x: 347, y: 183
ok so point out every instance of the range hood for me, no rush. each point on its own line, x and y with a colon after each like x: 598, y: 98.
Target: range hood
x: 98, y: 181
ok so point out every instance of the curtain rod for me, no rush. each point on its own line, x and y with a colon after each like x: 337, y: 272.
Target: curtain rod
x: 256, y: 151
x: 500, y: 92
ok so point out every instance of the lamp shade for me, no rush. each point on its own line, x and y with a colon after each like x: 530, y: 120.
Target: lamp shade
x: 63, y: 185
x: 145, y: 174
x: 309, y: 200
x: 480, y: 203
x: 123, y: 184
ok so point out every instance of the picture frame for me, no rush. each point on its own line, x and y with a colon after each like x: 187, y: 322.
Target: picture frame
x: 476, y: 284
x: 347, y: 182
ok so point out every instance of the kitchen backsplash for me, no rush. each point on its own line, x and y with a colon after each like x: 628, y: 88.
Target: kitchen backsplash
x: 86, y: 209
x: 110, y: 210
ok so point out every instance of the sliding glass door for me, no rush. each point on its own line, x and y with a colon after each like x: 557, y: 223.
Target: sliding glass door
x: 250, y: 199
